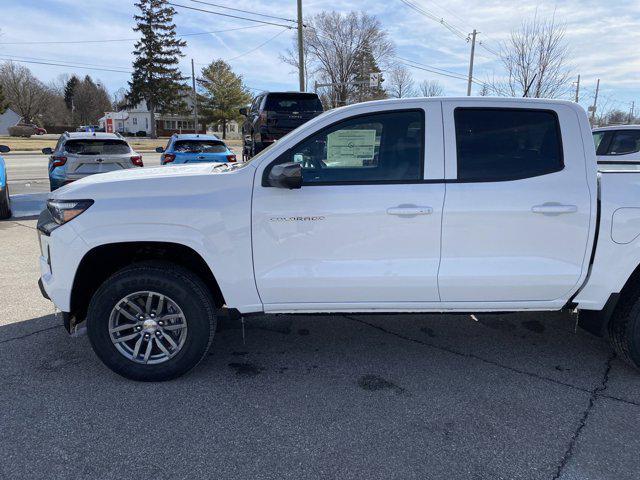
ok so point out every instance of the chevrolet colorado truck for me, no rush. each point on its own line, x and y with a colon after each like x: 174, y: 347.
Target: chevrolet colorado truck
x: 412, y: 205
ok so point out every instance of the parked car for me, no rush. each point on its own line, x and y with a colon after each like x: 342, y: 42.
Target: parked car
x: 618, y: 145
x: 5, y: 200
x: 349, y: 214
x: 274, y: 114
x: 195, y: 148
x: 35, y: 128
x: 79, y: 154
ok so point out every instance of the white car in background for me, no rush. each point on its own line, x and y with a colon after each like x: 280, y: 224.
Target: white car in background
x: 618, y: 144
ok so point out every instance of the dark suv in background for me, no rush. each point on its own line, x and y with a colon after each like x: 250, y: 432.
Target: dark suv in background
x: 274, y: 114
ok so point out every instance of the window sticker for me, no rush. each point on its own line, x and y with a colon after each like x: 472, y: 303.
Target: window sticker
x: 350, y: 148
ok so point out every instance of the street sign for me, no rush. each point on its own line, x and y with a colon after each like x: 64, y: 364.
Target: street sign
x: 374, y: 79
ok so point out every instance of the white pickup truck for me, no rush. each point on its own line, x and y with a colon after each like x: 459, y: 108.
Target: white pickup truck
x: 413, y: 205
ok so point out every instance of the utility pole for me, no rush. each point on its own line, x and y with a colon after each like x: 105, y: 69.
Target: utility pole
x: 632, y: 111
x: 473, y: 51
x: 195, y: 98
x: 595, y: 103
x: 578, y: 89
x: 300, y: 47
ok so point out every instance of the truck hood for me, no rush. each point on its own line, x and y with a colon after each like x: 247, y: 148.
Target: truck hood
x: 151, y: 181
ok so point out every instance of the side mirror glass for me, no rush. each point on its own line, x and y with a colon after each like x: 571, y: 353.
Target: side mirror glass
x: 243, y: 111
x: 159, y: 150
x: 286, y: 175
x: 47, y: 150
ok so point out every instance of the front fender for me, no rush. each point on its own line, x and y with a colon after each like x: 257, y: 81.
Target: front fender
x: 230, y: 264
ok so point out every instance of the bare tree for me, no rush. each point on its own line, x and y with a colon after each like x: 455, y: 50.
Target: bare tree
x: 536, y: 61
x: 431, y: 88
x: 401, y: 84
x: 333, y: 44
x: 484, y: 91
x: 25, y: 94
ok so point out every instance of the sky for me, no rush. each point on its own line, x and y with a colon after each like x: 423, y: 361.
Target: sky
x: 603, y: 38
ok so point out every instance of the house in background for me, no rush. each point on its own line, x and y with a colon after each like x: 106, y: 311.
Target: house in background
x: 8, y: 119
x: 138, y: 119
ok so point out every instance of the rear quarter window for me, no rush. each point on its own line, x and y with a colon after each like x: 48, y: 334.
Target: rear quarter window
x: 199, y: 146
x: 496, y: 144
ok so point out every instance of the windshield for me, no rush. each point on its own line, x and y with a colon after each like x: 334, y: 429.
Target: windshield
x: 97, y: 147
x: 199, y: 146
x: 293, y: 103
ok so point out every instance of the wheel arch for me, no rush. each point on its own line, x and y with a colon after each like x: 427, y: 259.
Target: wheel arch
x: 102, y: 261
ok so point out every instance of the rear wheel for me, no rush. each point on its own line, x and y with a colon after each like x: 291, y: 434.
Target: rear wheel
x: 151, y: 322
x: 5, y: 204
x: 624, y: 327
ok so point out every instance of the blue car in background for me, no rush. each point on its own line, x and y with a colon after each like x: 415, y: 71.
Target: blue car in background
x: 195, y: 148
x: 5, y: 201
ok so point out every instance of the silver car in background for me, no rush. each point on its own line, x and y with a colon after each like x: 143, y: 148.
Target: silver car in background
x: 78, y: 154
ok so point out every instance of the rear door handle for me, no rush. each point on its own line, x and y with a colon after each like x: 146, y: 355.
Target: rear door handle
x: 554, y: 208
x: 409, y: 210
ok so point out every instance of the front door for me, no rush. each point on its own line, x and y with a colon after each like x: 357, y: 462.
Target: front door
x: 518, y: 204
x: 364, y: 230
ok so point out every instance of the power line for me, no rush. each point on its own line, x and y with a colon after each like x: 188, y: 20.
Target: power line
x: 55, y: 42
x: 258, y: 47
x: 245, y: 11
x: 82, y: 64
x: 229, y: 15
x: 67, y: 65
x: 453, y: 29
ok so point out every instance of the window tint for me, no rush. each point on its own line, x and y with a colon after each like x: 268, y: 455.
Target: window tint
x: 381, y: 147
x: 597, y: 138
x: 506, y: 144
x: 292, y: 102
x: 624, y: 142
x: 97, y: 147
x: 199, y: 146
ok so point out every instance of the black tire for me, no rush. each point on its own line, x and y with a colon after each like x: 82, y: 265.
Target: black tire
x: 624, y: 327
x: 5, y: 204
x: 177, y: 283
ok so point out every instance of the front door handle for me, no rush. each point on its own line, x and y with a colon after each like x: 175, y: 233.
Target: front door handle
x: 409, y: 210
x: 554, y: 208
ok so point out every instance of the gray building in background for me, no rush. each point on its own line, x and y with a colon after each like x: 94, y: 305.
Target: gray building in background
x: 8, y: 119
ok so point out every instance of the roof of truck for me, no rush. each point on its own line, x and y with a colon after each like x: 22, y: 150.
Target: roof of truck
x: 616, y: 127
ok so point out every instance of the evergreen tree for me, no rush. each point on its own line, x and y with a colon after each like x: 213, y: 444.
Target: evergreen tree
x: 365, y: 64
x: 223, y: 94
x: 156, y: 78
x: 69, y: 91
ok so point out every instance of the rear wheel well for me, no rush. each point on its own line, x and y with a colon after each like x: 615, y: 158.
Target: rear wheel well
x: 103, y: 261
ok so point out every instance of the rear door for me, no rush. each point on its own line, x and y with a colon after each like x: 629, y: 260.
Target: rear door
x: 518, y: 206
x: 364, y: 230
x: 91, y: 156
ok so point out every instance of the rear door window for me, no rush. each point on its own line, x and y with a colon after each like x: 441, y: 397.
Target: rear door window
x: 97, y: 147
x: 293, y: 103
x: 624, y: 142
x: 499, y: 144
x: 199, y: 146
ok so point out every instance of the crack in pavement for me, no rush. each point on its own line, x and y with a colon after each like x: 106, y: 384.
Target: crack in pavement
x: 21, y: 224
x: 583, y: 420
x: 470, y: 355
x: 30, y: 334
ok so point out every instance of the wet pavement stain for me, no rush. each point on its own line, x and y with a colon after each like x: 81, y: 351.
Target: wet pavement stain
x: 497, y: 324
x: 429, y: 332
x: 246, y: 369
x: 303, y: 331
x: 239, y: 354
x: 374, y: 383
x: 533, y: 326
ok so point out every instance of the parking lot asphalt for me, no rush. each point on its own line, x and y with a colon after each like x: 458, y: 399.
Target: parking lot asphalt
x: 519, y: 396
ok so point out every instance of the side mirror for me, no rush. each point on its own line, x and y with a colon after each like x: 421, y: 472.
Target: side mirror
x: 159, y: 150
x: 243, y: 111
x: 4, y: 149
x: 47, y: 150
x: 286, y: 175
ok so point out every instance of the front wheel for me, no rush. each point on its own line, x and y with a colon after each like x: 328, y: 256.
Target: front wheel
x: 151, y: 322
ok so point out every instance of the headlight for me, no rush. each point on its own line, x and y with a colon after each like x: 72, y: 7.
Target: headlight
x: 63, y: 211
x: 59, y: 212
